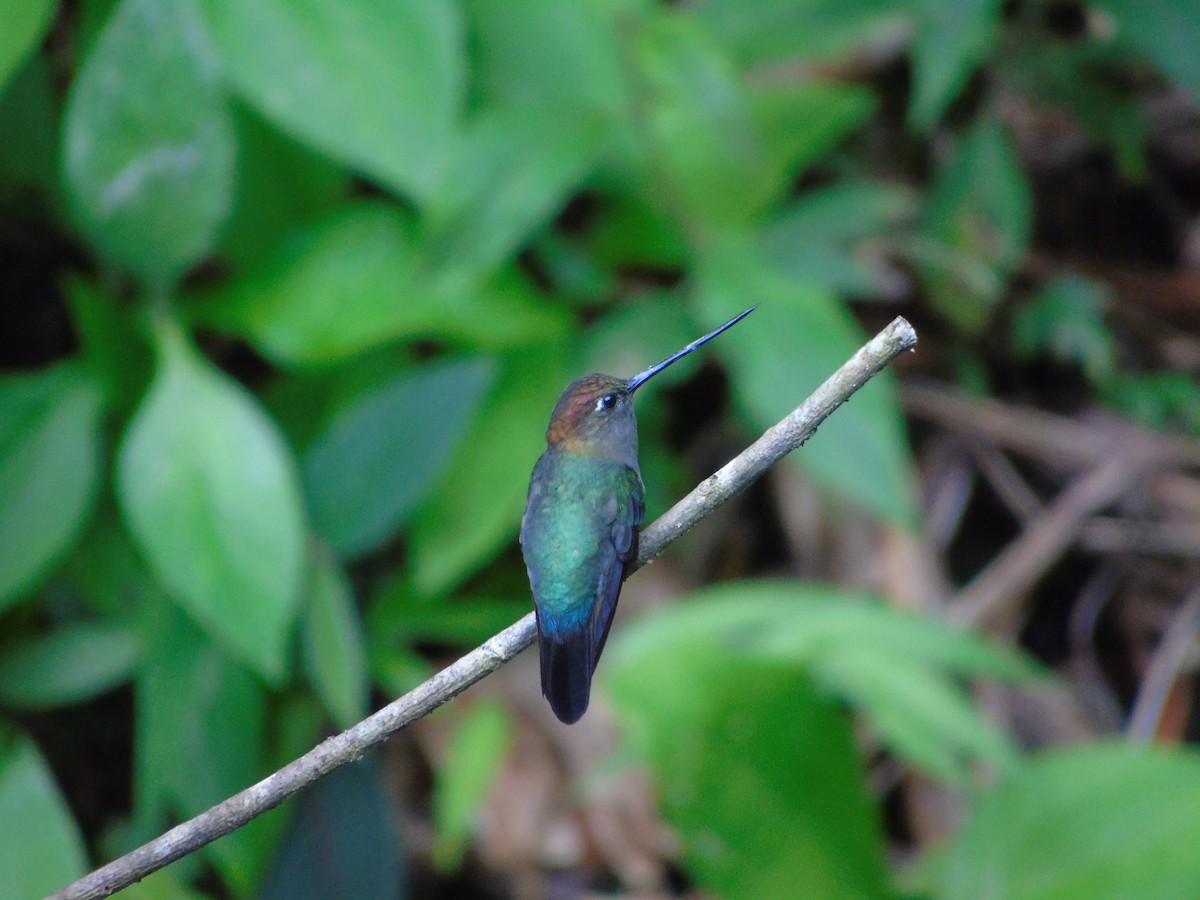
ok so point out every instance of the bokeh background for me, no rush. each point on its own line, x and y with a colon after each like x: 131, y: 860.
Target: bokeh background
x: 289, y: 288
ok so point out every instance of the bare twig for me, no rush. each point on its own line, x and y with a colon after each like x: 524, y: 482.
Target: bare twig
x: 351, y: 744
x: 1168, y: 661
x: 990, y: 600
x: 1055, y: 440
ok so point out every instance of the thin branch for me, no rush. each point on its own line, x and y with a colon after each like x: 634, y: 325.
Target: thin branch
x: 1169, y: 660
x: 350, y: 745
x: 991, y: 600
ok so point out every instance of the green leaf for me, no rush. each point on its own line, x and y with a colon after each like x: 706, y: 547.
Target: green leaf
x: 41, y: 849
x: 550, y: 54
x: 818, y: 237
x: 200, y: 724
x: 803, y: 122
x: 952, y: 38
x: 1106, y: 822
x: 1167, y: 401
x: 69, y: 665
x: 918, y: 713
x: 333, y: 643
x: 977, y: 221
x: 706, y: 149
x: 362, y: 255
x: 478, y: 745
x: 775, y: 31
x: 280, y: 183
x: 367, y: 256
x: 375, y: 84
x: 514, y: 169
x: 1064, y: 319
x: 22, y: 27
x: 799, y: 336
x: 898, y: 668
x: 459, y: 530
x: 49, y: 449
x: 29, y: 134
x: 758, y: 773
x: 149, y: 148
x: 1166, y: 31
x: 835, y: 620
x: 343, y: 842
x: 211, y: 496
x: 380, y: 455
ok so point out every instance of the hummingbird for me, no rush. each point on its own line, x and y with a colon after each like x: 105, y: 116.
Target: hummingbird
x: 580, y: 528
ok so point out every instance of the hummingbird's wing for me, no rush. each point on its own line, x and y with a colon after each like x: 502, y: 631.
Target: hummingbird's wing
x: 570, y: 646
x: 624, y: 540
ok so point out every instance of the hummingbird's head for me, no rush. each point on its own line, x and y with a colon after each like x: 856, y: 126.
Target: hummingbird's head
x: 594, y: 417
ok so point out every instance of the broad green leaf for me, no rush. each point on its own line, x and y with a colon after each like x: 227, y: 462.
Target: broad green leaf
x: 149, y: 148
x: 564, y: 56
x: 803, y: 122
x: 515, y: 167
x: 49, y: 449
x: 69, y: 665
x: 1106, y: 822
x: 776, y: 31
x: 705, y: 151
x: 333, y: 643
x: 977, y: 224
x: 817, y: 238
x: 93, y: 16
x: 952, y: 38
x: 366, y: 256
x: 280, y: 183
x: 187, y: 760
x: 799, y: 336
x: 478, y: 745
x: 633, y: 229
x: 303, y: 401
x: 899, y: 669
x: 382, y: 454
x: 1064, y: 319
x: 758, y: 773
x: 835, y: 618
x: 41, y: 849
x: 22, y: 26
x: 374, y: 84
x: 343, y: 842
x: 1167, y: 401
x: 210, y: 492
x: 329, y: 289
x: 1167, y: 31
x: 479, y: 509
x: 918, y: 713
x: 29, y: 126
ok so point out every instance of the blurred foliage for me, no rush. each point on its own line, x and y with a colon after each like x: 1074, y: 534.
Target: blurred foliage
x: 326, y: 268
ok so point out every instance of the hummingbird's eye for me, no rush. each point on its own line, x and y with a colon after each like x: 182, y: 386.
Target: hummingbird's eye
x: 608, y: 401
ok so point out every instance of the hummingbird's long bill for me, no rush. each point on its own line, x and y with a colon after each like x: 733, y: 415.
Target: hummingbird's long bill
x: 642, y: 377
